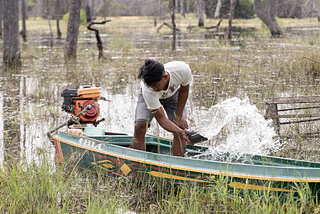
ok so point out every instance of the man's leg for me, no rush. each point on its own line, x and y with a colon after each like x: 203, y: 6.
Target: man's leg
x: 140, y: 129
x: 143, y: 118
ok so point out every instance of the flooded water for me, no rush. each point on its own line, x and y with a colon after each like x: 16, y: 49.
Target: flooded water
x: 232, y: 82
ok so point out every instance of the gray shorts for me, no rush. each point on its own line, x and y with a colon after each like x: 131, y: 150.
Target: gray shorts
x: 170, y: 106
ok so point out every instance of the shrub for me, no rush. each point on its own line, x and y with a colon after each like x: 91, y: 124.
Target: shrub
x: 83, y: 18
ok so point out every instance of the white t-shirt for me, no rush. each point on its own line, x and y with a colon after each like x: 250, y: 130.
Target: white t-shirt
x: 180, y: 74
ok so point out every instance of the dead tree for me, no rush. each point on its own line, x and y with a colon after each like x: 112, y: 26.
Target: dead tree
x: 232, y: 6
x: 58, y: 17
x: 99, y: 42
x: 182, y: 9
x: 217, y: 11
x: 210, y: 27
x: 168, y: 25
x: 47, y: 14
x: 104, y: 9
x: 88, y: 9
x: 200, y: 12
x: 268, y: 17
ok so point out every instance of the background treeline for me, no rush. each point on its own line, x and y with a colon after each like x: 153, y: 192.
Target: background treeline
x: 243, y: 9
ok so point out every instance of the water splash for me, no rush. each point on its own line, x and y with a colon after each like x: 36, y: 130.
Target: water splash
x: 236, y: 126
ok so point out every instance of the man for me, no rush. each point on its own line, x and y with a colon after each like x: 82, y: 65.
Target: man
x: 164, y: 91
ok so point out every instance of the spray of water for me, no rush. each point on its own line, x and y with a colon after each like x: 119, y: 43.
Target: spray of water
x: 235, y: 126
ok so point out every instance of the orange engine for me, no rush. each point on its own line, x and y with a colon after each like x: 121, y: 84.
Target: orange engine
x: 90, y: 115
x: 76, y: 101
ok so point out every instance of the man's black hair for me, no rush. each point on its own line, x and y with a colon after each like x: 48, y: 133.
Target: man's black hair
x: 151, y: 72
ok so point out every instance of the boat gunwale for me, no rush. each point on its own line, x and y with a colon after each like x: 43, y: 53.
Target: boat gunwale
x: 202, y: 147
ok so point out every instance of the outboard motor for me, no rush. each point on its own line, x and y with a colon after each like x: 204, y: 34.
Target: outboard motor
x: 75, y: 101
x: 82, y: 104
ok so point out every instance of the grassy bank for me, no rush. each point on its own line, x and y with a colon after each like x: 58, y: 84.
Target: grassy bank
x: 62, y: 188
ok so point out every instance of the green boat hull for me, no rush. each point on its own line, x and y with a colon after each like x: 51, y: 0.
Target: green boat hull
x: 111, y: 153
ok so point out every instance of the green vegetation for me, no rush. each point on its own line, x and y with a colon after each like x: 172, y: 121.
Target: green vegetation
x: 83, y: 18
x: 120, y: 43
x: 244, y: 9
x: 41, y: 187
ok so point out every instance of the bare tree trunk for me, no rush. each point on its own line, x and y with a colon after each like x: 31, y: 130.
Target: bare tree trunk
x: 232, y: 6
x: 47, y: 15
x: 11, y: 43
x: 188, y: 6
x: 73, y: 30
x: 58, y: 17
x: 182, y: 10
x: 272, y: 14
x: 200, y: 12
x: 155, y: 11
x: 174, y: 29
x: 1, y: 15
x: 217, y: 11
x: 105, y: 9
x: 268, y: 18
x: 93, y: 10
x: 177, y: 6
x: 23, y: 14
x: 292, y: 9
x: 88, y: 10
x: 319, y: 11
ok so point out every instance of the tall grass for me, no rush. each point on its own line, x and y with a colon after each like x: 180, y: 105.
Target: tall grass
x: 48, y: 188
x: 44, y: 187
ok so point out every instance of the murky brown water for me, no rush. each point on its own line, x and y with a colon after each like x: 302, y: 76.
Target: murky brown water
x: 252, y: 66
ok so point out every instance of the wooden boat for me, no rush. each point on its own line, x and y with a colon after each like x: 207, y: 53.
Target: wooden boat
x: 111, y: 152
x: 94, y: 148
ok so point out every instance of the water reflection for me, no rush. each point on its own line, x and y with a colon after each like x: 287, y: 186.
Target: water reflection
x: 11, y: 116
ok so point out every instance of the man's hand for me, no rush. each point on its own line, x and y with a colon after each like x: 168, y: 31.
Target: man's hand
x: 181, y: 122
x: 184, y: 137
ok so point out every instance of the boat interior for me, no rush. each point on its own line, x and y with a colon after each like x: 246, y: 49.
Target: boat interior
x: 160, y: 145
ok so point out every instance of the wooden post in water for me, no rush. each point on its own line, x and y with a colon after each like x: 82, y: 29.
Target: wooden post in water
x: 272, y: 110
